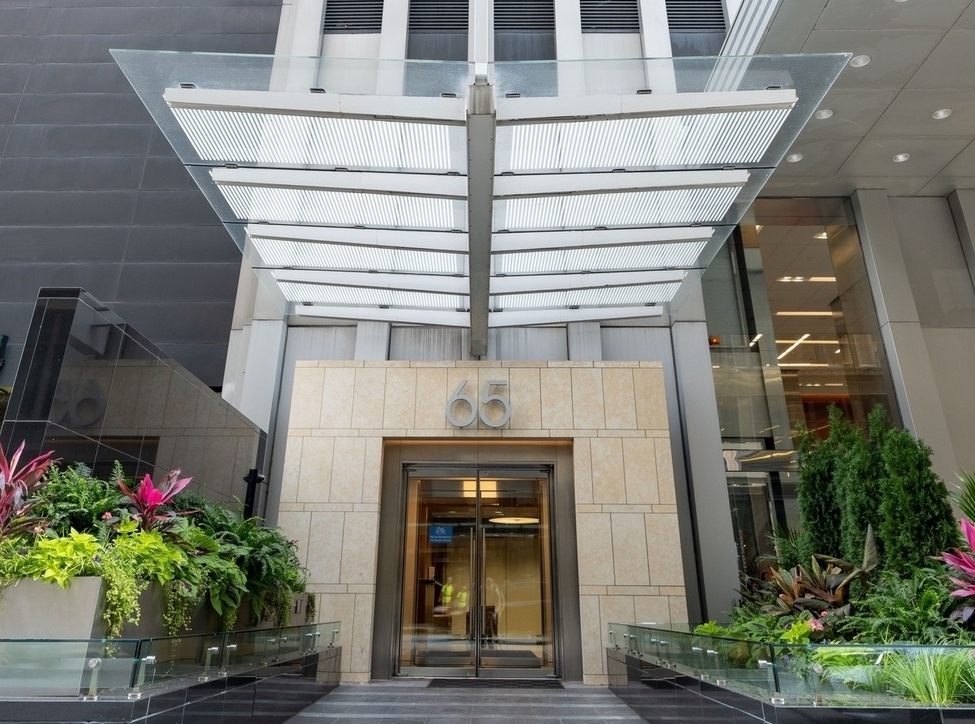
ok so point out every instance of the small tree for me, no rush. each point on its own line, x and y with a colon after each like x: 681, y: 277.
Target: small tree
x: 819, y: 508
x: 916, y: 520
x: 859, y: 468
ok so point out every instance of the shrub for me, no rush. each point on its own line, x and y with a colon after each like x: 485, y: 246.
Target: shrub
x: 916, y: 520
x: 819, y: 508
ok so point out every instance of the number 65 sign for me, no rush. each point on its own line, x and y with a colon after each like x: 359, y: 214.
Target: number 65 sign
x: 459, y: 399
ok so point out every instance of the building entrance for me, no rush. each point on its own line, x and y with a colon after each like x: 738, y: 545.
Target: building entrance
x: 477, y: 591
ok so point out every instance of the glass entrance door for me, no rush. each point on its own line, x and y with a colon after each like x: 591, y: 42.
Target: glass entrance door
x: 477, y: 575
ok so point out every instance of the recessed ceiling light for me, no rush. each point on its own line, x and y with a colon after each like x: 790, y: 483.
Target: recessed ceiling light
x: 794, y: 157
x: 858, y: 61
x: 902, y: 157
x: 941, y: 114
x: 821, y: 236
x: 824, y: 113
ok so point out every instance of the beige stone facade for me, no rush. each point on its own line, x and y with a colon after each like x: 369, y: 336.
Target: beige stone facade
x: 614, y: 414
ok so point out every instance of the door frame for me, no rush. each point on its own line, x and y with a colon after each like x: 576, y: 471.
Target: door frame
x: 542, y: 472
x: 401, y: 454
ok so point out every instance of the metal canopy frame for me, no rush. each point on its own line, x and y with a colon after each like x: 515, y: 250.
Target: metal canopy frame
x: 538, y: 193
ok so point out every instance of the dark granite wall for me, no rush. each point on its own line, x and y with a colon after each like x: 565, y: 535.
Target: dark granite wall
x: 91, y: 195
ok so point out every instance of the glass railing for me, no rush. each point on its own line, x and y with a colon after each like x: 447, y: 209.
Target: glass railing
x: 130, y: 668
x: 846, y: 675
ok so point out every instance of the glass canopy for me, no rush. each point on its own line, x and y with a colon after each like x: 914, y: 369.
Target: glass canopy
x: 417, y: 192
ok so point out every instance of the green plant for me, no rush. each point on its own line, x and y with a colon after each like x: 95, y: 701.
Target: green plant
x: 268, y: 560
x: 819, y: 507
x: 896, y: 608
x: 857, y: 473
x: 58, y: 560
x: 916, y: 520
x: 853, y: 667
x: 965, y: 498
x: 74, y: 500
x: 711, y: 628
x: 930, y: 677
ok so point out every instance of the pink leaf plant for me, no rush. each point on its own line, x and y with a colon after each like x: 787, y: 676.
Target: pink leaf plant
x: 146, y: 499
x: 15, y: 486
x: 963, y: 563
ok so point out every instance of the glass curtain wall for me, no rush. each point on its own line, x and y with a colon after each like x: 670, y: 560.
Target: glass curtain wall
x: 793, y: 330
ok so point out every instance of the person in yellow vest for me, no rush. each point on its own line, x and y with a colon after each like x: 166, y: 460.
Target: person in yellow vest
x: 447, y: 594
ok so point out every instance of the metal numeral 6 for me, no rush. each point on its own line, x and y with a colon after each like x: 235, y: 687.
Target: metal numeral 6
x: 486, y: 399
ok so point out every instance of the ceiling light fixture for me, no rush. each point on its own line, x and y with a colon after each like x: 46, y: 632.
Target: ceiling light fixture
x: 794, y: 157
x: 941, y: 114
x: 858, y: 61
x: 824, y: 113
x: 901, y: 157
x: 757, y: 337
x: 514, y: 520
x: 791, y: 279
x: 799, y: 341
x: 821, y: 235
x: 804, y: 314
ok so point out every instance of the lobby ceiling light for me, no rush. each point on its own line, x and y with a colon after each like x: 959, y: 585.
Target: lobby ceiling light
x: 794, y: 157
x: 824, y: 113
x: 799, y: 341
x: 514, y: 520
x: 901, y: 158
x: 858, y: 61
x: 941, y: 114
x: 804, y: 314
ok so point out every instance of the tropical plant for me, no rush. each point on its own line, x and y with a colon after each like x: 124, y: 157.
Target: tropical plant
x: 964, y: 567
x: 16, y: 484
x: 916, y: 520
x: 820, y: 587
x: 147, y: 499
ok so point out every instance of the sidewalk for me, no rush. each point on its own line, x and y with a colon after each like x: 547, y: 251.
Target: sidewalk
x: 412, y: 702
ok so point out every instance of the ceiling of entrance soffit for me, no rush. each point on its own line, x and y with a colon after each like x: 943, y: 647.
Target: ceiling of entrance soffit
x: 922, y: 60
x: 574, y: 192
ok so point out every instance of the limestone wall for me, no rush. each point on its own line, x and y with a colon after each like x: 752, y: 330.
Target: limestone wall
x: 613, y: 412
